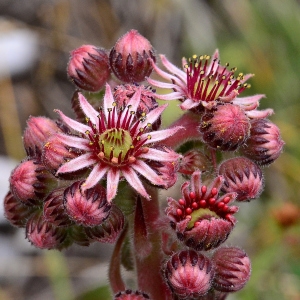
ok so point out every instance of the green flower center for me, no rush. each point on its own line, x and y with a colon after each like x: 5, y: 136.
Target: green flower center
x: 115, y: 143
x: 200, y: 214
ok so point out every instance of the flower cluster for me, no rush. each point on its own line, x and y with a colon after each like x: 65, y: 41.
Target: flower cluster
x: 84, y: 178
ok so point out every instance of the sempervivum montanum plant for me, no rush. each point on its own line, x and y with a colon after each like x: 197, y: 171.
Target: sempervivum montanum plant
x: 97, y: 178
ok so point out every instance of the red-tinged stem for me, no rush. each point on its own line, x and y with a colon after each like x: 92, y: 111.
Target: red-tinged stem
x: 148, y: 266
x: 114, y: 273
x: 213, y: 158
x: 190, y: 122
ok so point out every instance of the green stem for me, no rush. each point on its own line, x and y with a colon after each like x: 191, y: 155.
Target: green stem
x: 114, y: 273
x: 148, y: 266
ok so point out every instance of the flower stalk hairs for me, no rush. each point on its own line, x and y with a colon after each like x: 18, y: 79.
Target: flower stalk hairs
x: 97, y: 177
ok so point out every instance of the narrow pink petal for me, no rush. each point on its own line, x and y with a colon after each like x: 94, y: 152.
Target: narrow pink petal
x: 108, y: 100
x: 74, y: 141
x: 77, y: 163
x: 188, y: 104
x: 95, y: 176
x: 79, y: 127
x: 215, y: 56
x: 161, y: 84
x: 170, y: 96
x: 133, y: 104
x: 159, y: 155
x: 248, y: 100
x: 246, y: 77
x: 172, y: 68
x: 259, y: 114
x: 160, y: 135
x: 135, y: 182
x: 162, y: 73
x: 142, y: 168
x: 153, y: 115
x: 113, y: 176
x: 88, y: 109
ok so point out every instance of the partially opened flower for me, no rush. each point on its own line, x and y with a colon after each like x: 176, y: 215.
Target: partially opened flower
x: 116, y: 144
x: 203, y: 82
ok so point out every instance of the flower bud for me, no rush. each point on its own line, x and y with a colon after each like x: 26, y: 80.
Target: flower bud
x: 242, y: 176
x: 130, y: 58
x: 123, y: 93
x: 15, y: 211
x: 110, y: 229
x: 201, y: 218
x: 89, y: 208
x: 264, y: 144
x: 226, y: 127
x: 232, y: 269
x: 192, y: 161
x: 38, y: 130
x: 43, y: 234
x: 30, y: 181
x: 189, y: 274
x: 54, y: 210
x: 89, y: 68
x: 55, y: 153
x: 131, y: 295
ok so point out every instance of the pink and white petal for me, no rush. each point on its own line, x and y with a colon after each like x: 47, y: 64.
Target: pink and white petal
x: 188, y: 104
x: 88, y: 109
x: 170, y: 96
x: 248, y: 100
x: 246, y: 77
x: 108, y: 100
x: 135, y: 182
x: 232, y: 95
x: 113, y: 177
x: 160, y: 135
x: 161, y: 84
x: 214, y: 58
x: 259, y: 114
x: 74, y: 141
x: 78, y: 163
x: 159, y: 155
x: 79, y: 127
x: 142, y: 168
x: 94, y: 177
x: 163, y: 74
x: 172, y: 68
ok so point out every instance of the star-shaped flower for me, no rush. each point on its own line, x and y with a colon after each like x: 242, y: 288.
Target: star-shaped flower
x: 116, y: 144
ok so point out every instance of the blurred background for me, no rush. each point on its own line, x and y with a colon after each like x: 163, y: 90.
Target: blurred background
x: 260, y: 37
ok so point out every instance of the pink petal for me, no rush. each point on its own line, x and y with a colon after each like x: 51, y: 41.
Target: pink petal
x: 171, y: 96
x: 76, y: 164
x: 135, y: 182
x: 172, y: 68
x: 113, y: 176
x: 95, y: 176
x: 88, y: 109
x: 108, y: 100
x: 259, y: 114
x: 248, y: 100
x: 74, y: 141
x: 142, y: 168
x: 188, y: 104
x: 158, y: 155
x: 161, y: 84
x: 79, y: 127
x: 160, y: 135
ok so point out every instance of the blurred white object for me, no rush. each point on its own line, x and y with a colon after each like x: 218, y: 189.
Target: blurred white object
x: 6, y: 166
x: 18, y: 49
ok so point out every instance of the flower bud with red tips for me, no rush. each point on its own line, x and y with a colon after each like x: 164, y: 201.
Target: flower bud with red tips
x: 53, y: 209
x: 189, y: 274
x: 89, y: 208
x: 201, y: 218
x: 30, y: 181
x: 242, y: 176
x: 264, y: 144
x: 130, y: 58
x: 89, y: 68
x: 131, y: 295
x: 226, y: 127
x: 43, y: 234
x: 110, y: 229
x: 232, y: 269
x: 38, y: 130
x: 15, y: 211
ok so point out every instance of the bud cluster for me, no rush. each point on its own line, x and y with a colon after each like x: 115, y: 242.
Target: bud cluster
x: 67, y: 188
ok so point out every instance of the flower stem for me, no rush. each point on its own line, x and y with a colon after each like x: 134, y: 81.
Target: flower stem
x: 148, y: 266
x: 114, y: 273
x: 190, y: 122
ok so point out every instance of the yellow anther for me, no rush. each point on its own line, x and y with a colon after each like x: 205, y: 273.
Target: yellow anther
x: 194, y: 56
x: 87, y: 132
x: 149, y: 125
x: 149, y: 137
x: 114, y: 104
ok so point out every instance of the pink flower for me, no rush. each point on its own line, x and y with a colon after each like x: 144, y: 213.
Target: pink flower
x: 203, y: 83
x: 116, y: 144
